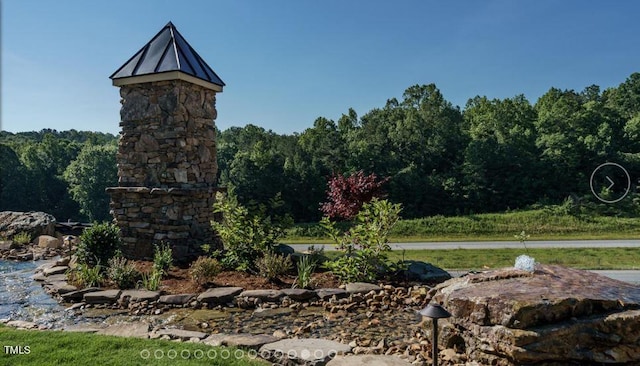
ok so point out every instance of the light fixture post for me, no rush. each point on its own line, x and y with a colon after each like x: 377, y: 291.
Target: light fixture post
x: 435, y: 312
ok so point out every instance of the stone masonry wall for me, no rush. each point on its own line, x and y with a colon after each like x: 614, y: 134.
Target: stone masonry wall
x: 166, y: 167
x: 168, y: 136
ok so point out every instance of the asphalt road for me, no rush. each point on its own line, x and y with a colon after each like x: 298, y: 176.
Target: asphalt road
x: 497, y: 244
x: 630, y: 276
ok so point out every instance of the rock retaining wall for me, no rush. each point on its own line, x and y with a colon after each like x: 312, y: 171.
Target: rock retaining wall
x: 179, y: 216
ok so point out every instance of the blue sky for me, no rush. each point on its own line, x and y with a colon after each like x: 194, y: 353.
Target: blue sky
x: 286, y: 63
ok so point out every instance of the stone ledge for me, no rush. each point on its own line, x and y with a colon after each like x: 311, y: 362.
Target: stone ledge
x: 178, y: 191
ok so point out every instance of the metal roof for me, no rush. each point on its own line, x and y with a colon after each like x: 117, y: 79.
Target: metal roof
x: 167, y: 51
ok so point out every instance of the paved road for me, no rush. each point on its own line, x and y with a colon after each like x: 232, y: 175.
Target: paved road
x: 497, y: 244
x: 622, y: 275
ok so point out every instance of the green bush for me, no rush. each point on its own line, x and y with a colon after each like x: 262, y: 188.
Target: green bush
x: 151, y: 281
x: 306, y: 266
x: 366, y: 244
x: 204, y: 270
x: 272, y: 265
x: 247, y: 234
x: 98, y: 243
x: 122, y: 272
x: 87, y: 276
x: 22, y: 238
x: 162, y: 258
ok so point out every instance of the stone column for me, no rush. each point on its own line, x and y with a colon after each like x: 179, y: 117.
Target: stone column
x: 166, y: 167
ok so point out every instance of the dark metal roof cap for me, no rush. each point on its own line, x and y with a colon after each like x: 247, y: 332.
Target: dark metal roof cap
x: 167, y: 51
x: 435, y: 311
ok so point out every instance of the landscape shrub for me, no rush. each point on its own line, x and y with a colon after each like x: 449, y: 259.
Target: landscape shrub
x: 306, y: 267
x: 247, y: 234
x: 272, y: 265
x: 347, y: 195
x: 316, y: 254
x: 87, y: 276
x: 22, y: 238
x: 98, y: 243
x: 366, y: 244
x: 204, y: 270
x: 122, y: 272
x: 162, y: 258
x: 151, y: 281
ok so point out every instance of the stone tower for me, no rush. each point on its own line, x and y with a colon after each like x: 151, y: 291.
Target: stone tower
x: 167, y: 151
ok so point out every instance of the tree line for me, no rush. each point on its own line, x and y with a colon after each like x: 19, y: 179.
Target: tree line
x: 493, y: 155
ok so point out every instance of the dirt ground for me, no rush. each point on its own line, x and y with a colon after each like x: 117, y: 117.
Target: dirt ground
x: 178, y: 281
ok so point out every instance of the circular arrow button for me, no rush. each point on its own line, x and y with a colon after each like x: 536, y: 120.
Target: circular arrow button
x: 610, y: 182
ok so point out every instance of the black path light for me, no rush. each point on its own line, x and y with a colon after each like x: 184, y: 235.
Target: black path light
x: 435, y: 312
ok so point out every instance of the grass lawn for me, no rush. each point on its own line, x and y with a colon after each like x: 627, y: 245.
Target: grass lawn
x: 68, y: 348
x: 478, y: 259
x: 582, y: 258
x: 541, y: 224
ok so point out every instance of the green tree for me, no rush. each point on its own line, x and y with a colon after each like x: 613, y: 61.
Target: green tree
x: 500, y: 166
x: 89, y: 175
x: 575, y: 133
x: 14, y: 190
x: 45, y: 162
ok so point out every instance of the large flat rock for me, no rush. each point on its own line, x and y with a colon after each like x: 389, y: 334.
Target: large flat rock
x: 299, y: 294
x: 62, y: 287
x: 135, y: 330
x: 34, y: 223
x: 178, y: 299
x: 140, y: 295
x: 328, y: 293
x: 265, y: 295
x: 78, y: 295
x: 102, y: 297
x: 303, y: 351
x: 554, y: 314
x: 361, y: 287
x: 55, y: 270
x: 181, y: 334
x: 219, y: 295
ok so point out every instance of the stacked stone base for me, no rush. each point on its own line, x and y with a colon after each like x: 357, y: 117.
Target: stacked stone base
x: 180, y: 217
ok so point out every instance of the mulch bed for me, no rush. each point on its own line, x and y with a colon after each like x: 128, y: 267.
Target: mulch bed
x: 178, y: 280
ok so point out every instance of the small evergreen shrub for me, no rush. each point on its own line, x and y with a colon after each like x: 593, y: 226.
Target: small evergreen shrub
x: 272, y: 265
x: 98, y: 243
x: 122, y: 272
x: 204, y: 270
x: 162, y: 258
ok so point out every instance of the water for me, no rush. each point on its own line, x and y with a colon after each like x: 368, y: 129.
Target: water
x: 22, y: 298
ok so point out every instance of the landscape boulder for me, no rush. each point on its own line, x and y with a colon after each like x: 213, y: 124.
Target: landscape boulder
x: 554, y: 315
x: 33, y: 223
x: 48, y: 241
x: 425, y: 272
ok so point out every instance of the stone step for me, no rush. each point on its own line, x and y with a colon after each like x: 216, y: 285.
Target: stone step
x: 102, y: 297
x: 219, y: 295
x: 179, y: 299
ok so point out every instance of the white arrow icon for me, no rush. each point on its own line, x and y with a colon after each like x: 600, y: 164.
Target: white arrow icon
x: 611, y: 185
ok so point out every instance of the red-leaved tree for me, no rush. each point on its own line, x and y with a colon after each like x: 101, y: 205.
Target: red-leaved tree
x: 346, y: 195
